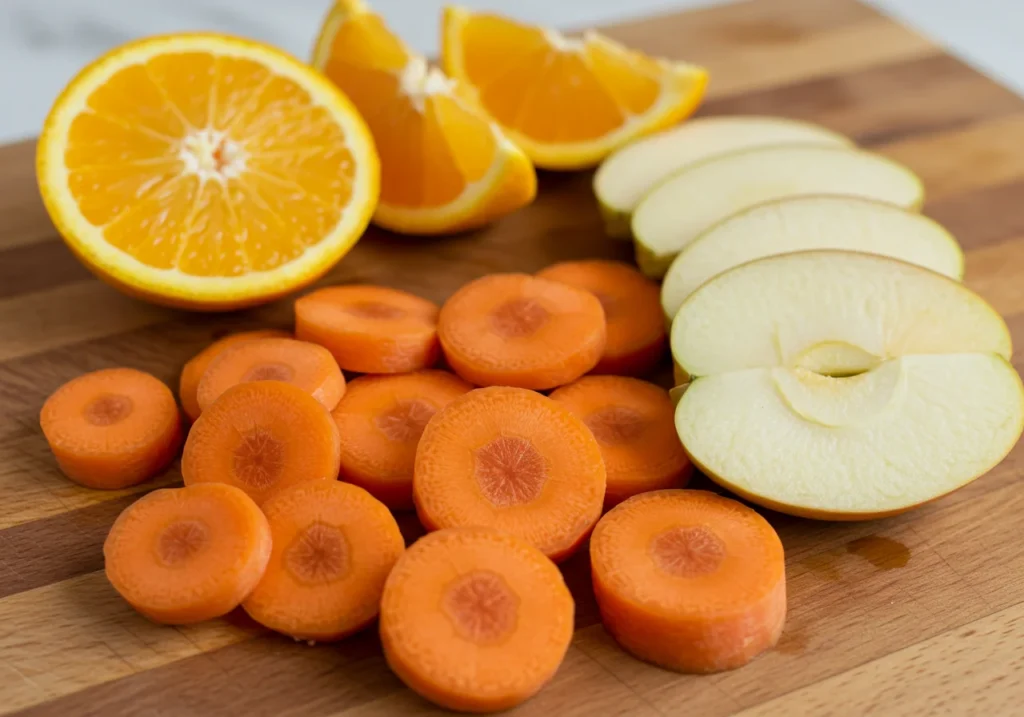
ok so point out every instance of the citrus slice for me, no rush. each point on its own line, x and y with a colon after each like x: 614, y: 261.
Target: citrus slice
x: 205, y: 171
x: 445, y: 166
x: 568, y: 102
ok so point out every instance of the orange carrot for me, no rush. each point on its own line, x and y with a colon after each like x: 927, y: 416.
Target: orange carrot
x: 634, y: 423
x: 689, y: 580
x: 514, y: 460
x: 262, y: 436
x: 475, y: 620
x: 381, y: 419
x: 334, y: 545
x: 632, y: 308
x: 183, y: 555
x: 112, y: 428
x: 518, y: 330
x: 370, y: 329
x: 194, y: 369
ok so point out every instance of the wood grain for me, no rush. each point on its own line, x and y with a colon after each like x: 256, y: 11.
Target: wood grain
x: 917, y: 614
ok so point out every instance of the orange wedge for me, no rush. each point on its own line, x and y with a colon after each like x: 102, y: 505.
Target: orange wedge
x: 206, y: 172
x: 445, y: 166
x: 568, y: 102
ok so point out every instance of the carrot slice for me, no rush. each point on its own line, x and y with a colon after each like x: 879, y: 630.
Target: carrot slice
x: 514, y: 460
x: 518, y: 330
x: 634, y: 423
x: 370, y: 329
x: 632, y: 308
x: 689, y: 580
x: 300, y: 363
x: 262, y: 436
x: 195, y: 367
x: 334, y: 545
x: 183, y: 555
x: 112, y: 428
x: 382, y: 419
x: 475, y: 620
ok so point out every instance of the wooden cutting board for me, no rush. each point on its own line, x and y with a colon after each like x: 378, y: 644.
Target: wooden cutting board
x: 914, y: 615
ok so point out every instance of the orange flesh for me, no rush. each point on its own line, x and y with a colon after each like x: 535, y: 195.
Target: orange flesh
x: 475, y: 620
x: 112, y: 428
x: 334, y: 545
x: 183, y: 555
x: 518, y: 330
x: 689, y: 580
x: 381, y: 419
x: 634, y: 423
x: 302, y: 364
x: 513, y: 460
x: 262, y: 436
x: 632, y: 308
x: 370, y: 329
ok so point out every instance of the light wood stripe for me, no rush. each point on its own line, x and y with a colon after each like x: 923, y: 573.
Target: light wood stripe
x: 994, y: 273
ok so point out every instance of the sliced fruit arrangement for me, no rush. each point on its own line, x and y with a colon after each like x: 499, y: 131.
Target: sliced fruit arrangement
x: 445, y: 166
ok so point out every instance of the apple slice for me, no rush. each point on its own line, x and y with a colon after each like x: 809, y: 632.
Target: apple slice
x: 688, y: 203
x: 810, y: 222
x: 627, y: 175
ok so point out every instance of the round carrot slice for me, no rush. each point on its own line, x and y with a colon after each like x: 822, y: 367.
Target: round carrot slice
x: 183, y: 555
x: 262, y: 436
x: 112, y: 428
x: 689, y: 580
x: 195, y: 367
x: 518, y: 330
x: 382, y: 419
x: 514, y: 460
x: 370, y: 329
x: 334, y: 545
x: 632, y: 309
x: 634, y: 423
x: 475, y: 620
x: 300, y: 363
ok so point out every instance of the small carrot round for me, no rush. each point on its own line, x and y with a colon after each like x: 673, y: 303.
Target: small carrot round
x: 196, y: 366
x: 370, y: 329
x: 381, y: 419
x: 632, y: 308
x: 300, y: 363
x: 183, y: 555
x: 334, y: 545
x: 262, y: 436
x: 475, y: 620
x: 514, y: 460
x: 112, y: 428
x: 689, y: 580
x: 634, y: 423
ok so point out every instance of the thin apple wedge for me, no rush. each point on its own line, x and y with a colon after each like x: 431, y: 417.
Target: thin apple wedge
x: 627, y: 175
x: 690, y: 202
x: 806, y: 223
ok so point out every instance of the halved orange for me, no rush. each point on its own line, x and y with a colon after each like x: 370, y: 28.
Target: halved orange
x: 206, y: 172
x: 445, y: 166
x: 568, y: 102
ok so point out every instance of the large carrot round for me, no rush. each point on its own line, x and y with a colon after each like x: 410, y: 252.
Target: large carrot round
x: 632, y: 309
x: 381, y: 419
x: 689, y: 580
x: 475, y: 620
x: 112, y: 428
x: 262, y: 436
x: 514, y: 460
x: 370, y: 329
x: 300, y: 363
x: 518, y: 330
x: 196, y: 366
x: 334, y: 545
x: 634, y: 423
x: 183, y: 555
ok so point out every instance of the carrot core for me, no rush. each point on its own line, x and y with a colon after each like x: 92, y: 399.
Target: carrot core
x: 181, y: 541
x: 482, y: 607
x: 688, y: 552
x: 318, y: 555
x: 108, y: 409
x: 270, y: 372
x: 510, y: 471
x: 519, y: 318
x: 259, y: 458
x: 616, y: 424
x: 406, y: 420
x: 375, y: 310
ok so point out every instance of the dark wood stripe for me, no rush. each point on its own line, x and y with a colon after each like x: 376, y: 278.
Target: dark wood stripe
x: 37, y: 267
x: 982, y: 217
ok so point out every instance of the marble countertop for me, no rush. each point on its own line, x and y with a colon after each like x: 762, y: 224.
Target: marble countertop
x: 44, y: 42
